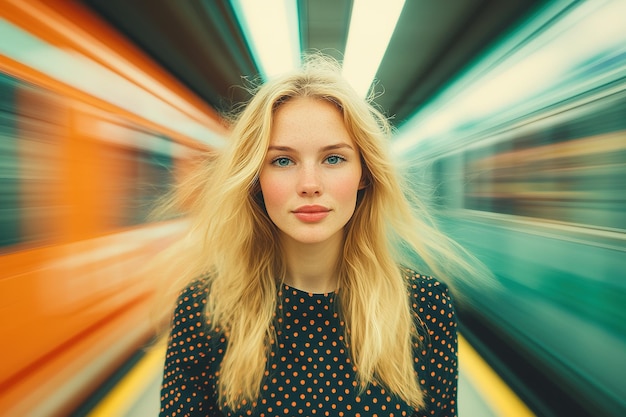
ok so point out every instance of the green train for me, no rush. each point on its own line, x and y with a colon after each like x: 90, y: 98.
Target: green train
x: 525, y: 155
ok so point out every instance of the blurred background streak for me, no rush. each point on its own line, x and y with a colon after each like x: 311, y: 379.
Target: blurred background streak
x: 522, y: 151
x: 91, y: 133
x: 526, y: 157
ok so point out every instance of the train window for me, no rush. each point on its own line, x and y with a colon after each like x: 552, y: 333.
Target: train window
x: 132, y: 167
x: 9, y: 177
x: 153, y: 181
x: 31, y: 123
x: 572, y: 171
x: 132, y: 177
x: 447, y: 182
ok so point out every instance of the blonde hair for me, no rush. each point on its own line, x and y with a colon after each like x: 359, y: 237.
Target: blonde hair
x: 232, y: 242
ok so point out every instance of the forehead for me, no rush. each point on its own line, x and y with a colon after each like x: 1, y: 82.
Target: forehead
x: 311, y: 118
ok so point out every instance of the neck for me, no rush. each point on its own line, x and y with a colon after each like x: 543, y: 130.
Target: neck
x: 313, y: 267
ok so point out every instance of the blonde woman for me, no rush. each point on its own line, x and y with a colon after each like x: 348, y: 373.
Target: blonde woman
x: 294, y: 296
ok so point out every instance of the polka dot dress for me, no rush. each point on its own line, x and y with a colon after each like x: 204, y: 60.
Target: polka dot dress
x: 309, y: 371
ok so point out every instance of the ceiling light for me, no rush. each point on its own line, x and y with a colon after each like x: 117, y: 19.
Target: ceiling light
x: 272, y: 32
x: 371, y: 26
x: 536, y: 70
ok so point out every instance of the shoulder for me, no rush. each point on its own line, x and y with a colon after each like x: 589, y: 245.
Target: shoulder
x: 427, y: 293
x: 191, y: 301
x: 419, y: 283
x: 194, y: 291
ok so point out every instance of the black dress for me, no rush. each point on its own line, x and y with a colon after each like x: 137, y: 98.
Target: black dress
x: 309, y: 371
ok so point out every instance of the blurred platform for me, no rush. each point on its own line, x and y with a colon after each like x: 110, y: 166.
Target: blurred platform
x: 481, y: 392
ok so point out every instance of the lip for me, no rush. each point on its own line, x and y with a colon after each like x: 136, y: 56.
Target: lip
x: 311, y: 209
x: 311, y: 214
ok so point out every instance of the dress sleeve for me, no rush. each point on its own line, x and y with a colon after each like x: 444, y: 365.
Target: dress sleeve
x: 186, y: 391
x: 438, y: 357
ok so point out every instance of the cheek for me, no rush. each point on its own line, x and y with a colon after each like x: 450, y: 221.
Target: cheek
x: 274, y: 191
x: 346, y: 187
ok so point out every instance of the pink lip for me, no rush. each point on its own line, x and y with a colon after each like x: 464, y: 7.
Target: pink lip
x: 311, y: 214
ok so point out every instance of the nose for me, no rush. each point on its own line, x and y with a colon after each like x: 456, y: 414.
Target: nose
x: 309, y: 182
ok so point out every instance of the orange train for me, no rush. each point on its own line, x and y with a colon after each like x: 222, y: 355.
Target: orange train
x: 91, y: 132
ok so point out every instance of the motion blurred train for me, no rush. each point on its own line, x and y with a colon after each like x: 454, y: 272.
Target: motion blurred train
x: 526, y: 157
x: 91, y: 132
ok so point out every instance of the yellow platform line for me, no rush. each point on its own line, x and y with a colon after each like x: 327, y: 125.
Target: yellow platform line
x: 130, y: 387
x: 496, y: 393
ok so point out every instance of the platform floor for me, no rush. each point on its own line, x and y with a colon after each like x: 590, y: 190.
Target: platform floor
x: 481, y: 393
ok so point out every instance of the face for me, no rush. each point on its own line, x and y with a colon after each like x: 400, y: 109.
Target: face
x: 312, y: 172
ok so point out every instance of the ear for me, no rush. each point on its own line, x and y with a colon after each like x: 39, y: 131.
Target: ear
x: 365, y: 181
x: 366, y: 176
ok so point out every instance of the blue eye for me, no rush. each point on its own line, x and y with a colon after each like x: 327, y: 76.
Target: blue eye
x: 281, y: 162
x: 334, y: 159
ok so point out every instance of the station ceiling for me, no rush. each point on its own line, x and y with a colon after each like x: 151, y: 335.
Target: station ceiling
x: 201, y: 43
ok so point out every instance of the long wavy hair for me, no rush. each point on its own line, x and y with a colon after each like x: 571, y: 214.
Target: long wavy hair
x: 232, y: 242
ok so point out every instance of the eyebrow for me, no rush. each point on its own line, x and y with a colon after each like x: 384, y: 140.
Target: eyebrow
x: 323, y: 149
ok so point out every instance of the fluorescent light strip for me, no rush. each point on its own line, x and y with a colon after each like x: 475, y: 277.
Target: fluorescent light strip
x: 371, y: 26
x: 528, y: 79
x: 89, y: 76
x: 272, y: 31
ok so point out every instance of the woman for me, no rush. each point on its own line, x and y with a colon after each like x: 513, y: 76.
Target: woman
x: 295, y: 300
